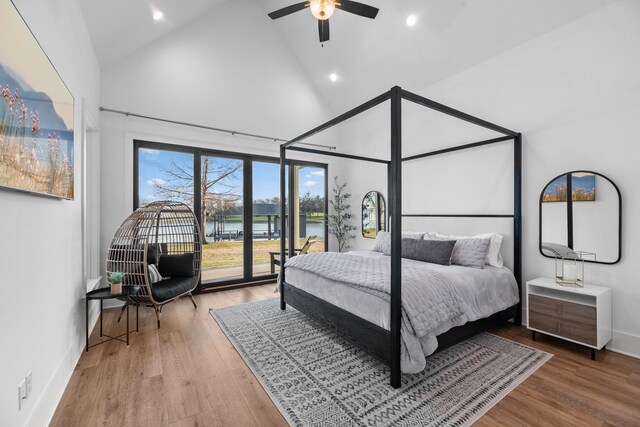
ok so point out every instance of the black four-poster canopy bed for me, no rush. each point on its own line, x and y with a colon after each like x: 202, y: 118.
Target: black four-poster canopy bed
x: 380, y: 342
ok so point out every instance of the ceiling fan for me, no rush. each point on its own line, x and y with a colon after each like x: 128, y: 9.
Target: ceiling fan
x: 324, y: 9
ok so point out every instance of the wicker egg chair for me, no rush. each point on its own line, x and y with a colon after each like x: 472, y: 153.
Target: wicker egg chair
x: 166, y: 234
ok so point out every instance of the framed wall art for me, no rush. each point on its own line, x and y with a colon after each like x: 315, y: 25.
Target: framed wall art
x: 36, y: 114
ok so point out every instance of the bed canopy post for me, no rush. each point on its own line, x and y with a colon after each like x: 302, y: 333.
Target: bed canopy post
x: 283, y: 221
x: 517, y: 220
x: 395, y: 208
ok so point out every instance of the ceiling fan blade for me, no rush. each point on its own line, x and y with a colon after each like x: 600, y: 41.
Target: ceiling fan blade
x: 323, y: 30
x: 289, y: 10
x: 358, y: 8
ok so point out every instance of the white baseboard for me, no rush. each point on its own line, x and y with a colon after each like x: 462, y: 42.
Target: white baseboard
x: 47, y: 404
x: 621, y: 342
x: 625, y: 343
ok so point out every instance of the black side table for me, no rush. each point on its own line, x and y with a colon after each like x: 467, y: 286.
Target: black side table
x: 102, y: 294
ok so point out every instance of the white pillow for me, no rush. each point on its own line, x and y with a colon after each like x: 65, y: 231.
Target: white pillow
x: 383, y: 240
x: 494, y: 257
x: 154, y: 274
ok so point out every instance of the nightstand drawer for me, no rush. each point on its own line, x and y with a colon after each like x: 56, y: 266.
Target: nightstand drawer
x: 543, y: 322
x: 565, y: 310
x: 579, y: 332
x: 578, y: 313
x: 544, y: 305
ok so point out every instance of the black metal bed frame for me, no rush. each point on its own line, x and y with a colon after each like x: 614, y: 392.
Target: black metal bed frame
x: 386, y: 344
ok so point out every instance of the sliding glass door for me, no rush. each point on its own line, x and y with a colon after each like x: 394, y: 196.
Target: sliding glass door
x: 237, y: 198
x: 310, y: 207
x: 222, y: 213
x: 266, y: 218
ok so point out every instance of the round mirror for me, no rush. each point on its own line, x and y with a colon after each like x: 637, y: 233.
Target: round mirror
x: 373, y: 213
x: 589, y: 220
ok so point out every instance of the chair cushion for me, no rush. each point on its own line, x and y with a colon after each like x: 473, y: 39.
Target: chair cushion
x: 153, y: 254
x: 170, y: 288
x: 180, y: 265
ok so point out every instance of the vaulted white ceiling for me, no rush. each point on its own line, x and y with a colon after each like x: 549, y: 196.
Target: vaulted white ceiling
x: 120, y: 27
x: 449, y: 36
x: 368, y: 56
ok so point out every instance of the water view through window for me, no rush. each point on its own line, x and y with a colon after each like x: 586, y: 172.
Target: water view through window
x: 241, y: 232
x: 222, y: 213
x: 266, y: 217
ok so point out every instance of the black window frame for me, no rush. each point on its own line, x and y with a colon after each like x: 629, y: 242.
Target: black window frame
x: 247, y: 197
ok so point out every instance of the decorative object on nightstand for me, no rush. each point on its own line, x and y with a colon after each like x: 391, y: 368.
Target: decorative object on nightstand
x: 577, y: 314
x: 569, y: 263
x: 115, y: 282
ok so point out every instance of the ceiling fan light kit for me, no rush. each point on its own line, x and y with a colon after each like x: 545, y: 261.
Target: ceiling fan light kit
x: 322, y: 10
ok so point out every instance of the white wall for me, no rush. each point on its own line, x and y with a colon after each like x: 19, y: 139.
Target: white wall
x: 574, y: 93
x: 42, y: 309
x: 228, y: 69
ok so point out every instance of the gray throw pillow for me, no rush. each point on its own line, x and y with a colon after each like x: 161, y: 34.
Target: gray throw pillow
x: 468, y: 252
x: 433, y: 251
x: 383, y: 240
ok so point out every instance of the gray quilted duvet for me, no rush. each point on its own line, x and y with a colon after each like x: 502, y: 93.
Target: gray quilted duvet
x: 429, y: 298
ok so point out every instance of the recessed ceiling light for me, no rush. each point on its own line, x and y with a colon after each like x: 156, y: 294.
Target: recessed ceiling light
x: 333, y: 77
x: 157, y: 15
x: 411, y: 20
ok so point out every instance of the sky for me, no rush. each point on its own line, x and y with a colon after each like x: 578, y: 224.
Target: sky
x: 152, y: 164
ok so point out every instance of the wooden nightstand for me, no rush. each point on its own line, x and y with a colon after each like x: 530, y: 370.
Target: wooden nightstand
x: 580, y: 315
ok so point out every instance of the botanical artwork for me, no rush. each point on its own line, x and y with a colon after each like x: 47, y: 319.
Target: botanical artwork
x: 36, y: 114
x: 583, y: 185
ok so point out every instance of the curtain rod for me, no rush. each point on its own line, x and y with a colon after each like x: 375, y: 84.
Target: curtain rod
x: 232, y: 132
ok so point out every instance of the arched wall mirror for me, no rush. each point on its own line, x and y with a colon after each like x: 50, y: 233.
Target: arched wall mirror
x: 590, y: 220
x: 373, y: 214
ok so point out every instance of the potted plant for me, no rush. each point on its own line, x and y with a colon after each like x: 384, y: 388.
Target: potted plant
x: 115, y: 280
x: 340, y: 220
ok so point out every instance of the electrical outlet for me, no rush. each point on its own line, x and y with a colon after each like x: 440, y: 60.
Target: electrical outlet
x: 22, y: 393
x: 29, y: 379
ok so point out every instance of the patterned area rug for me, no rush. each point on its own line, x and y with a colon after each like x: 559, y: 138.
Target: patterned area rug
x: 316, y: 378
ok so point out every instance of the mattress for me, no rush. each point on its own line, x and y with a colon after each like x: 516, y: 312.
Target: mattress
x: 484, y: 292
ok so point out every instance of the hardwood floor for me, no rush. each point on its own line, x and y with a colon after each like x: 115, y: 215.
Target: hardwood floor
x: 188, y: 374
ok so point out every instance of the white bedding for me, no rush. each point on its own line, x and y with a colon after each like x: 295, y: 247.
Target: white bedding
x: 483, y: 291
